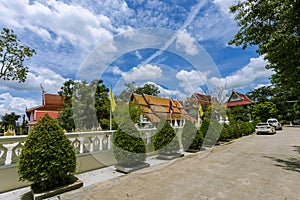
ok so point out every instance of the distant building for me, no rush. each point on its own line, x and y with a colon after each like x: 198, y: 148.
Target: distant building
x: 237, y: 99
x: 202, y: 99
x: 52, y: 104
x: 157, y: 108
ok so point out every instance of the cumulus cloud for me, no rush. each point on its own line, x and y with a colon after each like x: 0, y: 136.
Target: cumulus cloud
x: 191, y: 81
x: 9, y: 103
x: 185, y: 41
x: 144, y: 72
x: 51, y: 81
x: 166, y: 92
x: 55, y: 20
x: 249, y: 75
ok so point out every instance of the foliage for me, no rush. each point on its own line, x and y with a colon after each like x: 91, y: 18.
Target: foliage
x: 129, y: 147
x: 274, y: 27
x: 285, y: 101
x: 149, y: 89
x: 9, y: 119
x: 213, y: 132
x: 47, y: 158
x: 86, y: 103
x: 238, y: 113
x: 124, y: 96
x: 191, y: 138
x: 204, y: 127
x: 66, y: 119
x: 264, y: 111
x: 12, y: 56
x: 135, y: 111
x: 226, y: 133
x: 165, y: 140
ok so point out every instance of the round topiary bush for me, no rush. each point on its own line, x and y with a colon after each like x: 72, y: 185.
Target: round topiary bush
x: 165, y: 140
x: 213, y: 133
x: 129, y: 148
x: 47, y: 158
x: 191, y: 138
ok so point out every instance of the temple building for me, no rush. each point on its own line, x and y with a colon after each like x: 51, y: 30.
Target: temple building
x: 52, y: 104
x: 238, y: 99
x: 157, y: 108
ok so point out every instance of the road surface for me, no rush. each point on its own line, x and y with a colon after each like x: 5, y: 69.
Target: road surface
x: 253, y: 167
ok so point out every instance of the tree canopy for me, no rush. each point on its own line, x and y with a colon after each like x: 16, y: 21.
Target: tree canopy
x: 149, y: 89
x: 274, y: 27
x: 86, y: 103
x: 12, y: 56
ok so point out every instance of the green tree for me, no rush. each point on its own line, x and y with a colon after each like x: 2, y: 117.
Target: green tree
x: 9, y: 119
x: 238, y: 113
x: 48, y: 158
x: 262, y: 94
x: 274, y: 27
x: 149, y: 89
x: 87, y: 103
x: 264, y: 111
x: 12, y: 56
x: 124, y: 96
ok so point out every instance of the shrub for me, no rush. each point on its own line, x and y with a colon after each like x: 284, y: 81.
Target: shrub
x: 129, y: 148
x: 165, y: 140
x: 204, y: 127
x: 225, y: 133
x: 128, y: 145
x: 191, y: 138
x: 213, y: 132
x: 47, y: 158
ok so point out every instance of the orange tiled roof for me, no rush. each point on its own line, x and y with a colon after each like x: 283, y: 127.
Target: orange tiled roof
x: 237, y: 99
x: 156, y: 108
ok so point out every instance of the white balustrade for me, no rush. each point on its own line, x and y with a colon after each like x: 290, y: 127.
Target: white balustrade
x: 83, y: 143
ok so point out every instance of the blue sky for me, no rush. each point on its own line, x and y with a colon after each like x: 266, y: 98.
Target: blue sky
x: 180, y: 45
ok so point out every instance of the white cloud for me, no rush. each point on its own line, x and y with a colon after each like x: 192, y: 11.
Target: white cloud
x: 185, y: 41
x: 249, y: 75
x: 164, y: 92
x: 116, y: 70
x: 145, y: 72
x: 138, y: 55
x: 191, y: 80
x: 72, y: 22
x: 51, y: 81
x: 9, y: 103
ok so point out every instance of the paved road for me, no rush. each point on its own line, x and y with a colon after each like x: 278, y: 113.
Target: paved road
x: 254, y: 167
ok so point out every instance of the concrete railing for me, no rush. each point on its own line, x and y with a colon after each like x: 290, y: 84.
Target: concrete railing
x: 93, y: 151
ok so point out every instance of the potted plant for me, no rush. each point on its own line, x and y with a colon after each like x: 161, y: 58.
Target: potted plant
x: 166, y: 142
x: 48, y: 160
x: 191, y: 137
x: 128, y: 146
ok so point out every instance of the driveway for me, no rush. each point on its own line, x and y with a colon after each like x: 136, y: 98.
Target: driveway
x: 253, y: 167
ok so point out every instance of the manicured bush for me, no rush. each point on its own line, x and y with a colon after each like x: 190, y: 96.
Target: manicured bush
x: 251, y: 127
x: 191, y: 138
x: 204, y: 127
x: 224, y: 133
x: 47, y: 158
x: 165, y: 140
x: 213, y: 133
x: 129, y: 148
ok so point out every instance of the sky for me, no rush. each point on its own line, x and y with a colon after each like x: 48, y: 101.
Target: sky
x: 181, y: 46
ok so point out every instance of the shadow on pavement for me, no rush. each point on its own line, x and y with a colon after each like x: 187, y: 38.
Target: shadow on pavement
x: 27, y: 196
x: 292, y: 164
x: 297, y: 149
